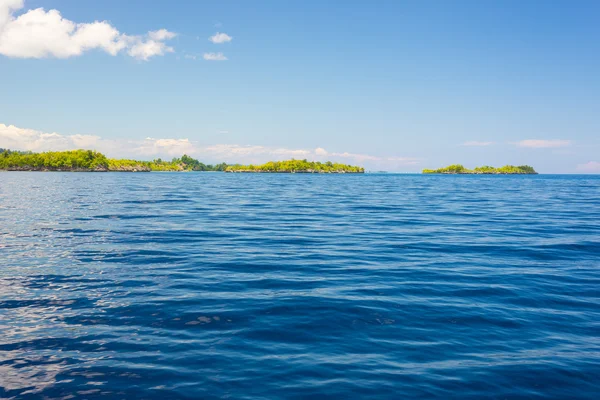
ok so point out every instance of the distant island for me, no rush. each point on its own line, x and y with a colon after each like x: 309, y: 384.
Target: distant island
x: 485, y: 170
x: 93, y: 161
x: 298, y: 166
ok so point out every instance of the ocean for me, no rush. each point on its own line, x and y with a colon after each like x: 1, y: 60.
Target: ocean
x: 296, y: 286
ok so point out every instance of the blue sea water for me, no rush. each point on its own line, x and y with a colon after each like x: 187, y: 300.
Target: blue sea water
x: 258, y: 286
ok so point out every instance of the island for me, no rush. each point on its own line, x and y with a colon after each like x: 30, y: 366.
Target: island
x: 485, y: 170
x: 297, y: 167
x: 94, y: 161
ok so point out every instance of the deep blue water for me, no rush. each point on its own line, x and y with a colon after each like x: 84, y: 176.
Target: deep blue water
x: 208, y: 285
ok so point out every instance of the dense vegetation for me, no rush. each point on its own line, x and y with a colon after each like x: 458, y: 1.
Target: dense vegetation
x: 185, y: 163
x: 459, y: 169
x: 297, y: 166
x: 89, y: 160
x: 78, y: 160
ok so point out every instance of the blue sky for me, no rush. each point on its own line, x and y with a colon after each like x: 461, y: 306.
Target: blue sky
x: 393, y: 85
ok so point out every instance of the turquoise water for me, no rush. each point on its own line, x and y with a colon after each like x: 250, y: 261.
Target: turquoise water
x: 211, y: 285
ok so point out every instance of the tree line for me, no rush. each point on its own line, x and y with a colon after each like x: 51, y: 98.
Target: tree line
x: 90, y: 160
x: 297, y: 166
x: 53, y: 160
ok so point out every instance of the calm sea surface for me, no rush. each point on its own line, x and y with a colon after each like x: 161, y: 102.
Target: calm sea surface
x: 212, y: 285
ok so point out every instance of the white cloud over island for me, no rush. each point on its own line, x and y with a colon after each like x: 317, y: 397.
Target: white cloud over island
x: 15, y: 138
x: 39, y: 33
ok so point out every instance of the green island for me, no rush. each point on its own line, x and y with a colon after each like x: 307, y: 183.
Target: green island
x: 298, y: 166
x: 487, y: 170
x: 93, y: 161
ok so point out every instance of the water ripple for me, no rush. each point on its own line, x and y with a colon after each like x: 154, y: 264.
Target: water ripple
x: 203, y: 285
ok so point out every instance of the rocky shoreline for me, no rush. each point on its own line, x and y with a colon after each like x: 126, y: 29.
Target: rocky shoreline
x: 46, y: 169
x: 98, y: 169
x: 458, y: 169
x: 481, y: 173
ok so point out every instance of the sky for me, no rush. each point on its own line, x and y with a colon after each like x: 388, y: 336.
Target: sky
x: 389, y: 85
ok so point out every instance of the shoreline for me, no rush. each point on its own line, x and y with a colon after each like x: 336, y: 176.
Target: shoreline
x: 290, y: 172
x: 94, y: 161
x: 479, y: 173
x: 178, y: 171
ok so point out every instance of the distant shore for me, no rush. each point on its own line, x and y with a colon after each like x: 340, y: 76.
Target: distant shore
x: 93, y: 161
x: 292, y: 172
x: 297, y: 167
x: 457, y: 169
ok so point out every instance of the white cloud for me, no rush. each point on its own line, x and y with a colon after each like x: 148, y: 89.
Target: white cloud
x: 171, y: 147
x: 403, y: 161
x: 357, y: 157
x: 143, y: 50
x: 214, y: 57
x: 476, y: 143
x: 592, y: 166
x: 190, y: 57
x: 320, y: 151
x: 12, y: 137
x: 7, y: 7
x: 290, y: 153
x: 225, y: 150
x: 161, y: 34
x: 39, y: 34
x: 219, y: 38
x: 84, y: 141
x: 539, y: 143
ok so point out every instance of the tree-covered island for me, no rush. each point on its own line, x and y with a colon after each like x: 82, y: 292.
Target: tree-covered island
x: 487, y: 170
x: 93, y: 161
x: 298, y: 166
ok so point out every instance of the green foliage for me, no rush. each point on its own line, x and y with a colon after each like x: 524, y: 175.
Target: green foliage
x: 451, y: 169
x: 133, y: 165
x: 297, y: 166
x: 486, y: 169
x: 185, y: 163
x: 191, y: 164
x: 526, y: 169
x: 88, y: 160
x: 54, y: 160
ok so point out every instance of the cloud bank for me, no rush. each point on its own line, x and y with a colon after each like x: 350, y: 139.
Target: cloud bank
x: 39, y: 34
x: 12, y: 137
x: 16, y: 138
